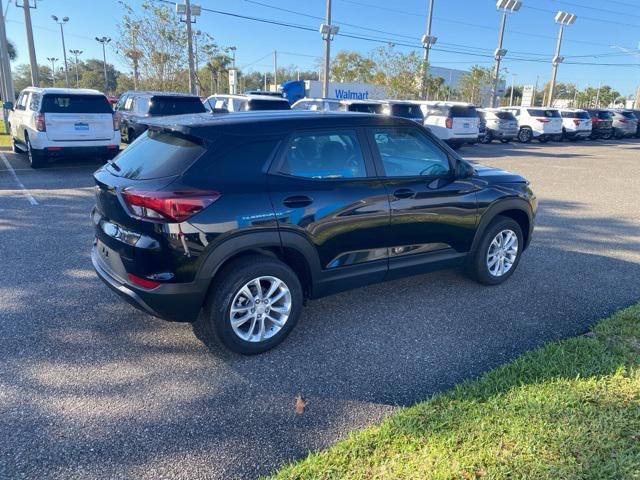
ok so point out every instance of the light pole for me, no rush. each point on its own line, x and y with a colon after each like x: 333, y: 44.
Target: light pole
x: 61, y: 22
x: 427, y: 42
x: 506, y: 7
x: 562, y: 19
x: 53, y: 69
x: 328, y: 32
x: 232, y: 86
x: 104, y: 41
x: 189, y: 11
x: 76, y: 53
x: 513, y: 85
x: 35, y: 76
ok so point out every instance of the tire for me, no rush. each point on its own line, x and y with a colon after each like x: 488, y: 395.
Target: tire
x: 486, y: 138
x: 606, y: 136
x: 14, y: 146
x: 227, y: 291
x: 618, y: 135
x: 36, y: 160
x: 478, y: 268
x: 525, y: 134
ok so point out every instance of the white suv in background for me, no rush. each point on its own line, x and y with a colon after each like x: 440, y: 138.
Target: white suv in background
x: 456, y: 123
x: 52, y: 122
x: 576, y: 123
x: 541, y: 123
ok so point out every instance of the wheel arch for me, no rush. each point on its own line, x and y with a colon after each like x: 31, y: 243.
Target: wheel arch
x: 514, y: 208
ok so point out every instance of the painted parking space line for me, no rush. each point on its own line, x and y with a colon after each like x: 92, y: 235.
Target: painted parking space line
x: 24, y: 189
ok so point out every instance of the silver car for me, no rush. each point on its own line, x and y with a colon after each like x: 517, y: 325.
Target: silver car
x: 625, y: 123
x: 500, y: 125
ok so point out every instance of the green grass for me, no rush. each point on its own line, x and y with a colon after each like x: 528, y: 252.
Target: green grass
x: 5, y: 139
x: 569, y: 410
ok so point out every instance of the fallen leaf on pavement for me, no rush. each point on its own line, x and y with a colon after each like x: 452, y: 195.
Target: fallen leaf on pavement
x: 300, y: 404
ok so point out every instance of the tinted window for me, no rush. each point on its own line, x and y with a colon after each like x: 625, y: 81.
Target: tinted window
x: 171, y: 105
x: 234, y: 162
x: 156, y: 154
x: 604, y: 115
x: 408, y: 153
x: 628, y: 115
x: 505, y: 115
x: 267, y: 105
x: 303, y: 105
x: 364, y: 107
x: 121, y: 100
x: 405, y: 111
x: 463, y: 111
x: 324, y: 155
x: 534, y: 112
x: 582, y: 115
x: 60, y: 103
x: 35, y: 101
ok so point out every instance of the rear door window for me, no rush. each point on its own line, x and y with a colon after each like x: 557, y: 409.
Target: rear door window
x: 174, y: 105
x: 324, y: 155
x: 35, y: 102
x: 61, y: 103
x: 157, y: 154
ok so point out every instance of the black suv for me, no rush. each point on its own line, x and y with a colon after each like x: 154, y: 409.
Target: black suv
x: 134, y: 109
x: 247, y: 215
x: 601, y: 124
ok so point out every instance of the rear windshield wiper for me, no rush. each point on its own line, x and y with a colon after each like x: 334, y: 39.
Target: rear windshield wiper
x: 113, y: 164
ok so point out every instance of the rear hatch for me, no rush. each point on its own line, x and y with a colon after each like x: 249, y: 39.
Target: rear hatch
x: 465, y: 120
x: 77, y: 117
x: 548, y: 118
x: 506, y: 121
x: 582, y: 121
x: 602, y: 120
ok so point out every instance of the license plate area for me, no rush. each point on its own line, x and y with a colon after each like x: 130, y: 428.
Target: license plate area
x: 81, y: 127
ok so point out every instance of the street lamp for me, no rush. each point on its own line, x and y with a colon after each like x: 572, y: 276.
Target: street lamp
x: 563, y: 19
x: 506, y: 7
x: 233, y: 76
x: 328, y: 32
x: 64, y: 49
x: 104, y: 41
x: 53, y: 69
x: 76, y: 53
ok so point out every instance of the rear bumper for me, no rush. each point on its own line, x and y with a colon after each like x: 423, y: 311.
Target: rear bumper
x: 173, y: 302
x: 577, y: 133
x: 54, y: 151
x: 504, y: 134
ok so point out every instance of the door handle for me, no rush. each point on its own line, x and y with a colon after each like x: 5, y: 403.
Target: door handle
x: 297, y: 201
x: 404, y: 193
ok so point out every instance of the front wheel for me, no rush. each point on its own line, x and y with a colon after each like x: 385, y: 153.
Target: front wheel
x: 498, y: 252
x: 486, y: 138
x: 254, y: 304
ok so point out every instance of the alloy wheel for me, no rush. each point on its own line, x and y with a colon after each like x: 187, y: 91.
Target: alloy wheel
x: 260, y: 309
x: 502, y: 253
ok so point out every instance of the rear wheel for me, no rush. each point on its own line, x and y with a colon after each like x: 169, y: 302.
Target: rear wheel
x: 498, y: 252
x: 606, y: 136
x: 525, y: 134
x: 254, y: 304
x: 487, y: 137
x: 36, y: 159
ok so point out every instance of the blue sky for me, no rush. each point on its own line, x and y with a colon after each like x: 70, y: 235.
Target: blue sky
x: 467, y: 33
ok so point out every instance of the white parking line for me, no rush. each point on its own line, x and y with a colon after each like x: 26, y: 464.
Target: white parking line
x: 27, y: 193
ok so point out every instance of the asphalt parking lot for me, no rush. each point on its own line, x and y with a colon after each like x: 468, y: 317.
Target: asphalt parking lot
x: 92, y: 388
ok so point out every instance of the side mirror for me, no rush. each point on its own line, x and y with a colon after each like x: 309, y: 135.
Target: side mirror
x: 464, y: 169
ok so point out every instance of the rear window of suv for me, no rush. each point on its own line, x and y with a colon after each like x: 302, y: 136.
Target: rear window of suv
x: 629, y: 115
x: 173, y: 105
x: 61, y: 103
x: 268, y: 105
x: 156, y: 154
x: 406, y: 111
x: 534, y: 112
x: 581, y: 115
x: 463, y: 111
x: 505, y: 115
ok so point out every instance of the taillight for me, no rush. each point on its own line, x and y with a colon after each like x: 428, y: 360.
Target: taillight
x: 595, y: 119
x: 543, y: 120
x: 448, y: 122
x: 40, y: 125
x: 624, y: 120
x: 174, y: 206
x: 116, y: 122
x: 576, y: 121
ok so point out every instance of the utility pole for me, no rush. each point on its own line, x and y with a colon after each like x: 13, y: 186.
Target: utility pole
x: 427, y: 42
x: 275, y: 68
x: 233, y: 88
x: 35, y: 75
x: 506, y: 7
x: 53, y: 69
x: 104, y: 41
x: 76, y: 53
x: 189, y: 11
x: 513, y: 84
x: 64, y: 49
x: 598, y: 94
x: 8, y: 95
x: 328, y: 32
x: 562, y: 18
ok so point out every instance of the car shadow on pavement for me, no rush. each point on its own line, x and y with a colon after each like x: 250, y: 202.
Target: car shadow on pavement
x: 92, y: 388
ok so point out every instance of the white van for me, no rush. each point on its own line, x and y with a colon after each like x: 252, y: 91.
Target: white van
x: 456, y: 123
x: 51, y: 122
x: 541, y: 123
